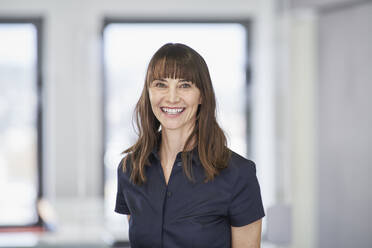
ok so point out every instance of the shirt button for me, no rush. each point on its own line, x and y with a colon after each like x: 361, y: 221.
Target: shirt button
x: 179, y: 163
x: 169, y: 194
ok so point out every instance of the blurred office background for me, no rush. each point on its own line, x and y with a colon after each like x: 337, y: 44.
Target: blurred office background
x: 293, y: 86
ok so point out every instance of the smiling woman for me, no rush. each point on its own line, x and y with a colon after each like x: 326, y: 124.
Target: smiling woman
x: 174, y: 103
x: 125, y: 69
x: 211, y: 198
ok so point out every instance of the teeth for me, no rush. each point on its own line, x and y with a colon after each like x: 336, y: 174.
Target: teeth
x: 172, y: 111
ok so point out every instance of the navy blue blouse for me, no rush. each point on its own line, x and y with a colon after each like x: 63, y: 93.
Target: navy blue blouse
x: 187, y: 214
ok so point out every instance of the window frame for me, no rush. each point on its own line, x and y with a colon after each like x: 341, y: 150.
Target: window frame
x: 247, y: 23
x: 39, y: 225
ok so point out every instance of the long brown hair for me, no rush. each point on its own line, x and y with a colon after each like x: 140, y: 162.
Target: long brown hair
x: 175, y: 60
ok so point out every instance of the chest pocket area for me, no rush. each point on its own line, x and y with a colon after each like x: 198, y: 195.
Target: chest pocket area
x: 205, y: 207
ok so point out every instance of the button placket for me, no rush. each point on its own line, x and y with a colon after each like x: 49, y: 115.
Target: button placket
x: 169, y: 193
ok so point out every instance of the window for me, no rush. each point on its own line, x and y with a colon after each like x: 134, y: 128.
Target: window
x: 20, y: 122
x: 128, y: 48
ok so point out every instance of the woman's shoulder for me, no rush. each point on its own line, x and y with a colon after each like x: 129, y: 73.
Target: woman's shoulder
x: 238, y: 163
x: 125, y: 166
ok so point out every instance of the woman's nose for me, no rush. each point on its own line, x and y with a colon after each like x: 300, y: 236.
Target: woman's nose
x: 173, y: 95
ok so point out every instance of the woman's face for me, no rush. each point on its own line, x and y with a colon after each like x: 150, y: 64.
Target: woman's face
x: 174, y: 103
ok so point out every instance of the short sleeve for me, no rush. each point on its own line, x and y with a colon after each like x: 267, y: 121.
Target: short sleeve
x: 121, y: 205
x: 246, y: 203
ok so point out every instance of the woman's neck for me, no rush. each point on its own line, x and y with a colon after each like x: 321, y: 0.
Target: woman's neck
x: 173, y: 142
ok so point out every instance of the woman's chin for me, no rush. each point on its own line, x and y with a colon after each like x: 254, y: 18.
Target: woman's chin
x: 170, y: 127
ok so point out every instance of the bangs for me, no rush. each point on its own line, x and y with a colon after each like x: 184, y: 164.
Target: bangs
x: 170, y: 67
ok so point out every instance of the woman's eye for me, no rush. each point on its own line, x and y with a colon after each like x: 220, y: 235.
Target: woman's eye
x: 160, y: 85
x: 185, y: 85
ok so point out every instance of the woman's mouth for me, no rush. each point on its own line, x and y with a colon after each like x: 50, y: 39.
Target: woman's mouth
x: 172, y: 112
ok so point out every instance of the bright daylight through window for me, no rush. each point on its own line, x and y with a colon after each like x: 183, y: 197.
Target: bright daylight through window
x: 18, y: 124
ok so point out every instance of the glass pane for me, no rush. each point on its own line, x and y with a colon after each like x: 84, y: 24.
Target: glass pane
x: 127, y: 51
x: 18, y: 127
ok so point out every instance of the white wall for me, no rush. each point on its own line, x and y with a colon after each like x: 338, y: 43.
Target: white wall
x: 327, y: 123
x: 296, y: 81
x: 345, y: 127
x: 322, y: 3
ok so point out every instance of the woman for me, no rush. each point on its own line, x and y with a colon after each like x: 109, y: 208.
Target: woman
x: 181, y: 186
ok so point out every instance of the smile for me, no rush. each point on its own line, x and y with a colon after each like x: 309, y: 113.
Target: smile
x: 172, y: 111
